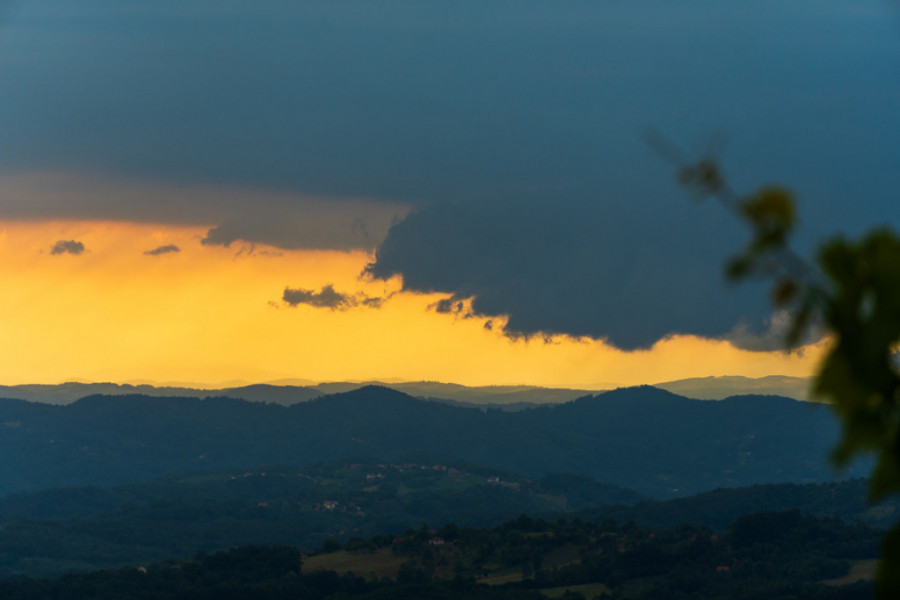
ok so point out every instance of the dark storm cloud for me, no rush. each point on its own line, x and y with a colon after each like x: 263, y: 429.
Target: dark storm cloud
x: 167, y: 249
x: 422, y: 102
x: 599, y: 271
x: 278, y: 218
x: 67, y: 247
x: 512, y: 127
x: 337, y: 225
x: 328, y: 297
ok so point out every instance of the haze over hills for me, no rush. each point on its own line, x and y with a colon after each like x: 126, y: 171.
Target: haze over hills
x: 644, y: 438
x: 287, y: 392
x: 75, y: 495
x: 717, y: 388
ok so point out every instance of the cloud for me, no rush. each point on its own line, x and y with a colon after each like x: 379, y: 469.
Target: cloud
x: 630, y: 274
x: 325, y: 298
x: 520, y: 156
x: 67, y: 247
x: 311, y: 224
x: 285, y: 220
x: 771, y: 334
x: 391, y: 110
x: 328, y: 297
x: 450, y: 305
x: 168, y: 248
x: 375, y: 302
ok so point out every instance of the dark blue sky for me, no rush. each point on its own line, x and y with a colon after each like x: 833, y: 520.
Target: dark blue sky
x: 513, y: 129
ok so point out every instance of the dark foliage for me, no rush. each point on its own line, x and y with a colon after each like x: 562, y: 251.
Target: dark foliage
x: 777, y: 556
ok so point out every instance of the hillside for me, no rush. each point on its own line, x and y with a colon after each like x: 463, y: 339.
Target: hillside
x: 775, y: 555
x: 52, y: 532
x: 645, y: 439
x: 289, y: 392
x: 847, y: 500
x: 507, y: 396
x: 717, y: 388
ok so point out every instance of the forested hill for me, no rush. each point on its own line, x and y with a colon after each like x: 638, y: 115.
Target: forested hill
x: 642, y: 438
x: 772, y: 555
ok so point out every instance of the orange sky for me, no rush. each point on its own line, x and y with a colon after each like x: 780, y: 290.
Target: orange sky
x: 210, y: 315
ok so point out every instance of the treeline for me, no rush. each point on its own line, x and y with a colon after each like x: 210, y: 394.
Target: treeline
x: 777, y: 556
x: 77, y: 529
x: 63, y: 530
x: 718, y: 508
x: 246, y: 573
x: 762, y: 555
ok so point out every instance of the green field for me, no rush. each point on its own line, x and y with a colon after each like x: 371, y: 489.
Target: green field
x: 382, y: 563
x: 588, y: 590
x: 860, y: 570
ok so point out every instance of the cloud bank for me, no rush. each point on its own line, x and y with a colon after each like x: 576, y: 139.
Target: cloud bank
x: 512, y: 131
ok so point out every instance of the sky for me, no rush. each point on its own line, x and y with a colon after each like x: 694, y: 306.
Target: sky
x: 211, y: 192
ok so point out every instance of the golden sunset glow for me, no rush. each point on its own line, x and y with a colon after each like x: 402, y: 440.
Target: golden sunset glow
x: 211, y: 315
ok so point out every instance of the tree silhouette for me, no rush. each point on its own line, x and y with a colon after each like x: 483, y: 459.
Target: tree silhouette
x: 851, y: 294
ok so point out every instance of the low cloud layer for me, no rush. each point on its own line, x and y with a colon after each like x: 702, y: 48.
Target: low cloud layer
x: 167, y: 249
x: 258, y: 216
x: 67, y: 247
x: 328, y: 297
x: 311, y: 224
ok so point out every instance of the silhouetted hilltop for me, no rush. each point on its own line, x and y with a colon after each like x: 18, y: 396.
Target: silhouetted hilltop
x: 642, y: 438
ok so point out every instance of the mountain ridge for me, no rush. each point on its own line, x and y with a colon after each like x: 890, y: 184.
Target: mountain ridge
x: 646, y: 439
x: 510, y: 397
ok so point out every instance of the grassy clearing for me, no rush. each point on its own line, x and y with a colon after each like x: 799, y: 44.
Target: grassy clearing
x: 502, y: 577
x: 590, y: 590
x: 569, y: 554
x: 382, y: 563
x: 860, y: 569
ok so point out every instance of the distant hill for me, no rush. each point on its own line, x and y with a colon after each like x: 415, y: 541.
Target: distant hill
x: 717, y: 509
x: 773, y: 555
x: 644, y: 439
x: 508, y: 397
x: 717, y: 388
x: 50, y: 532
x: 54, y: 531
x: 67, y: 393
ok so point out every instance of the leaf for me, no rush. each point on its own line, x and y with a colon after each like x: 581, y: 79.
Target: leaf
x: 738, y: 267
x: 784, y: 292
x: 704, y: 176
x: 888, y: 587
x: 771, y: 214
